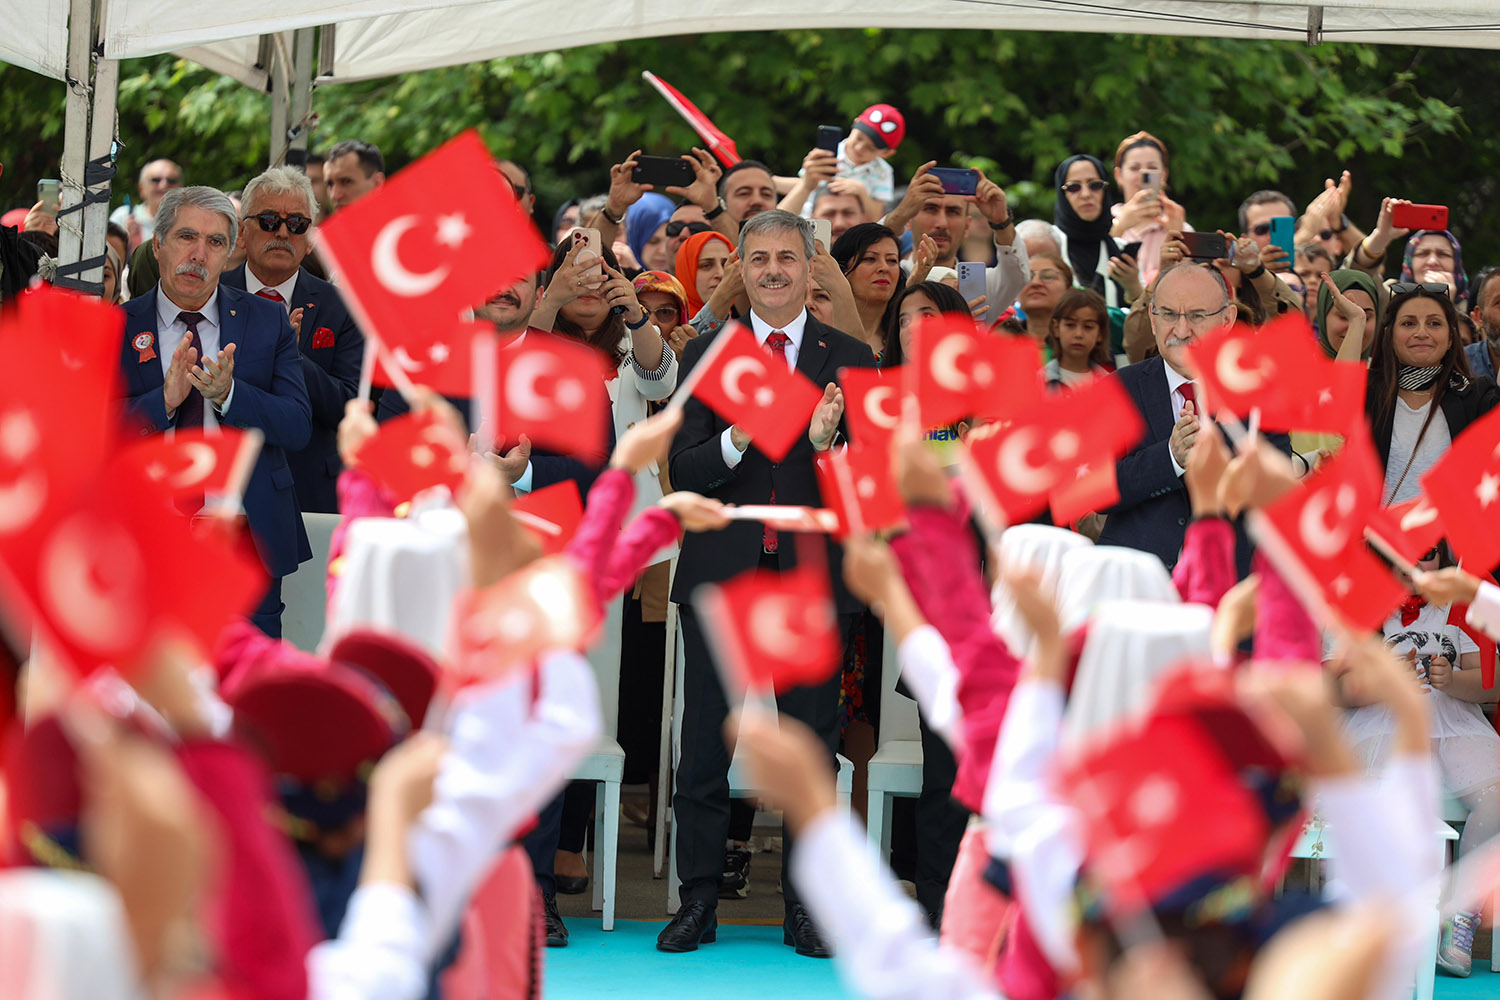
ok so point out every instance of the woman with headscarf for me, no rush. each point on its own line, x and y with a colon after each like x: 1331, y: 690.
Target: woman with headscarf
x: 711, y: 278
x: 1332, y: 325
x: 646, y: 230
x: 1433, y: 256
x: 1082, y: 215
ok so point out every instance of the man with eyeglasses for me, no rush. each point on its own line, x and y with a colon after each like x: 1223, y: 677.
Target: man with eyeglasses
x: 278, y: 210
x: 1189, y: 301
x: 156, y: 179
x: 199, y: 354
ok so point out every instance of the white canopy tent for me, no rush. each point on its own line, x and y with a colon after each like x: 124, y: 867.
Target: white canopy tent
x: 268, y: 45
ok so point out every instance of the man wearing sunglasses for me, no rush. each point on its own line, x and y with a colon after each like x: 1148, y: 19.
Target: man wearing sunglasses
x: 278, y: 209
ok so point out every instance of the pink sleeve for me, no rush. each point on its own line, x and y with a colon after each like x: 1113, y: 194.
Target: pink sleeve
x: 1283, y: 628
x: 360, y: 495
x: 651, y: 531
x: 1205, y: 571
x: 260, y: 915
x: 598, y: 533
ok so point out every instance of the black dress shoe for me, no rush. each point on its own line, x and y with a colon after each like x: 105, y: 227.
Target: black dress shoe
x: 797, y: 929
x: 570, y: 885
x: 557, y: 931
x: 695, y: 923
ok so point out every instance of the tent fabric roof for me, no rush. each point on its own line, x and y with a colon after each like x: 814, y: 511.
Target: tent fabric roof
x: 376, y: 38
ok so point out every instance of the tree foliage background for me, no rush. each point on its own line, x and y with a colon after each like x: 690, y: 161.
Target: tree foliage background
x: 1237, y: 115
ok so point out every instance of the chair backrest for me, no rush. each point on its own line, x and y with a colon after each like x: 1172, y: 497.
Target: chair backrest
x: 898, y: 713
x: 305, y: 592
x: 604, y: 657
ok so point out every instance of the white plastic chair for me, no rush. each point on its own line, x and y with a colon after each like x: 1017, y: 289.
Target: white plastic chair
x: 305, y: 591
x: 739, y: 784
x: 606, y: 764
x: 896, y: 768
x: 1456, y: 814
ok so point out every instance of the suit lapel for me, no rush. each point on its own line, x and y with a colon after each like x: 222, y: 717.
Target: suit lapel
x: 1158, y: 401
x: 303, y: 298
x: 149, y: 371
x: 231, y: 317
x: 812, y: 356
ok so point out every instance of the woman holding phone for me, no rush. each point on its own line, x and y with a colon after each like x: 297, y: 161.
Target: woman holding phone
x: 1145, y: 214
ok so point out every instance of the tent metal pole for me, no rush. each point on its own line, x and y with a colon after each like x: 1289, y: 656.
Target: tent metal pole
x: 281, y: 102
x: 302, y: 73
x: 75, y: 128
x: 103, y: 129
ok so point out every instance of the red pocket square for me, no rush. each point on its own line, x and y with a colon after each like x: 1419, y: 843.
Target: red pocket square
x: 322, y: 337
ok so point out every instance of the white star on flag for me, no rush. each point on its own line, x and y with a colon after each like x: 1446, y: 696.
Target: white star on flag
x: 1342, y: 585
x: 1325, y: 397
x: 438, y: 352
x: 1488, y: 490
x: 452, y: 230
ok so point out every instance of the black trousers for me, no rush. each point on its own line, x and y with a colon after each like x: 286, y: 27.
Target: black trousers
x: 700, y: 804
x: 541, y: 844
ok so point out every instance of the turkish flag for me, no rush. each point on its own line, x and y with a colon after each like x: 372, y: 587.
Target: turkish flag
x: 440, y: 236
x: 872, y: 404
x: 1276, y: 369
x: 551, y: 513
x: 193, y: 462
x: 752, y: 388
x: 414, y: 452
x: 547, y: 605
x: 1057, y: 448
x: 552, y: 390
x: 1464, y: 486
x: 441, y: 359
x: 714, y: 137
x: 1161, y: 807
x: 106, y: 575
x: 1459, y: 615
x: 959, y: 370
x: 1411, y: 528
x: 858, y: 484
x: 1318, y: 536
x: 776, y: 630
x: 1337, y: 405
x: 1092, y: 489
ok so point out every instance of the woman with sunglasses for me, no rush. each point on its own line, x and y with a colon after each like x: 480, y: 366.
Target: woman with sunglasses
x: 1083, y: 216
x: 870, y: 258
x: 1420, y: 394
x: 1145, y: 214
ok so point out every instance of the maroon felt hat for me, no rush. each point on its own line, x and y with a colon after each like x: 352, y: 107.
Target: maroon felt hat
x: 404, y: 668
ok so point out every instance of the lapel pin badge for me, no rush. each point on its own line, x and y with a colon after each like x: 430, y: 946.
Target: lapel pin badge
x: 143, y: 344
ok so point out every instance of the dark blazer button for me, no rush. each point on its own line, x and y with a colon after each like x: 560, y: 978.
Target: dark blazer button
x: 1182, y: 520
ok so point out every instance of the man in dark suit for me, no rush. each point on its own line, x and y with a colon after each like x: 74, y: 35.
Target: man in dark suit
x: 278, y: 210
x: 719, y: 460
x: 1188, y: 302
x: 199, y: 354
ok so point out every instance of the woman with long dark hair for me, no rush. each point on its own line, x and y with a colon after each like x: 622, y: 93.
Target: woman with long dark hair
x: 870, y: 257
x: 925, y: 298
x: 1420, y: 394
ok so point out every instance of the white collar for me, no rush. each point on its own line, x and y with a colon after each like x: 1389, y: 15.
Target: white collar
x: 1175, y: 378
x: 253, y: 284
x: 793, y: 330
x: 167, y: 311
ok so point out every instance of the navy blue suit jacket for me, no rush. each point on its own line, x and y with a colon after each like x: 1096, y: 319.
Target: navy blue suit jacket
x: 331, y: 374
x: 1153, y: 512
x: 268, y: 395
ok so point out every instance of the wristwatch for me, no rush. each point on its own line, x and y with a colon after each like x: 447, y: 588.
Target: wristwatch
x: 604, y: 211
x: 645, y: 318
x: 1343, y: 224
x: 1001, y: 227
x: 716, y: 211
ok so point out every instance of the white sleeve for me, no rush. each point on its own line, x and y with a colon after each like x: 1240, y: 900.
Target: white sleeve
x: 1383, y: 831
x: 927, y: 665
x: 507, y: 757
x: 378, y: 953
x: 1484, y: 612
x: 732, y: 455
x: 659, y: 384
x: 1026, y: 823
x: 881, y: 944
x: 1004, y: 281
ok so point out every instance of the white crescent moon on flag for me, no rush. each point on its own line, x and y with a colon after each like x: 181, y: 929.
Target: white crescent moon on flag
x: 876, y: 402
x: 1419, y: 516
x: 93, y: 585
x: 442, y: 442
x: 778, y: 624
x: 1233, y: 375
x: 734, y: 372
x: 1321, y: 538
x: 386, y: 263
x: 1016, y: 470
x: 406, y: 361
x: 944, y: 362
x: 21, y: 500
x: 201, y: 461
x: 520, y: 386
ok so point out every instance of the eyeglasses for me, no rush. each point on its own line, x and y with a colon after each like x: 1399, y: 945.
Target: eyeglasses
x: 1409, y: 288
x: 168, y: 181
x: 270, y: 222
x: 1073, y: 187
x: 666, y: 314
x: 676, y: 227
x: 1195, y: 318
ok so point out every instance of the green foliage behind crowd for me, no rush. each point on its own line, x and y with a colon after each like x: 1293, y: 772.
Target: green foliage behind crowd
x: 1237, y: 115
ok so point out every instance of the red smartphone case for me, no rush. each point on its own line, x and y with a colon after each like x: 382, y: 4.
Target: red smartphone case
x: 1420, y: 216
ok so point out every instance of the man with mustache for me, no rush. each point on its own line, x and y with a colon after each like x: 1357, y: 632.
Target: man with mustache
x: 201, y: 354
x: 717, y: 459
x: 1189, y: 301
x: 278, y: 210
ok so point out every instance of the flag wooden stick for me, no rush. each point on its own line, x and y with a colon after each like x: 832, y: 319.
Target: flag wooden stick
x: 686, y: 386
x: 374, y: 349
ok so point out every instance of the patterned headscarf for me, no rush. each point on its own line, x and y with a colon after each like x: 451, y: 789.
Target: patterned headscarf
x: 661, y: 281
x: 1460, y: 280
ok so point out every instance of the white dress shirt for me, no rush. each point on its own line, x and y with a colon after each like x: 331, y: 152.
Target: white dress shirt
x: 1175, y: 381
x: 170, y: 329
x: 253, y: 285
x: 762, y: 330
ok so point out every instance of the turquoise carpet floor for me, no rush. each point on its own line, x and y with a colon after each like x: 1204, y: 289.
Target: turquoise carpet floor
x: 746, y: 963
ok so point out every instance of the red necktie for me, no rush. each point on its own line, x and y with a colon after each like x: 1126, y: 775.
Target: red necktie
x: 776, y: 342
x: 1189, y: 393
x: 270, y: 293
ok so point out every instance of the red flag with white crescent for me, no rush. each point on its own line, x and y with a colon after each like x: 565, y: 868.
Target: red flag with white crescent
x: 959, y: 370
x: 1464, y: 486
x: 414, y: 452
x: 872, y: 404
x: 858, y: 485
x: 753, y: 389
x: 547, y: 605
x: 715, y: 138
x: 552, y: 390
x: 194, y: 462
x: 551, y: 513
x: 778, y: 630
